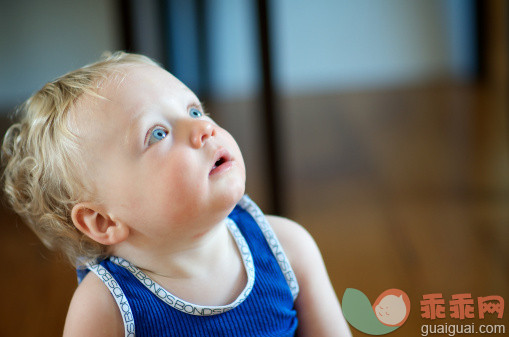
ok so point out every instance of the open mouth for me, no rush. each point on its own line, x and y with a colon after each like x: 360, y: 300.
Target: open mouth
x: 219, y: 162
x: 222, y: 161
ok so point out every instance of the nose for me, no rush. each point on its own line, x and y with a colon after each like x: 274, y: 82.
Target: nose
x: 200, y: 133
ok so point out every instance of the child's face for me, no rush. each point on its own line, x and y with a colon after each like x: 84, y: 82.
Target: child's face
x: 156, y: 163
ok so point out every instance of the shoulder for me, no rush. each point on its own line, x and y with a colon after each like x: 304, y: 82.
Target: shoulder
x: 93, y: 311
x: 317, y: 306
x: 299, y: 245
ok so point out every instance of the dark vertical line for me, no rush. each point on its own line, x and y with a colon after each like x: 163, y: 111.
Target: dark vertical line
x: 480, y: 36
x: 203, y: 49
x: 165, y: 31
x: 270, y: 117
x: 126, y: 25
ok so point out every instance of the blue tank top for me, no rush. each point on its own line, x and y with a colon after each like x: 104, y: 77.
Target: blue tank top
x: 264, y: 308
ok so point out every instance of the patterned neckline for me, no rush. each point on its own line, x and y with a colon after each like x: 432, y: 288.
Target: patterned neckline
x: 190, y: 308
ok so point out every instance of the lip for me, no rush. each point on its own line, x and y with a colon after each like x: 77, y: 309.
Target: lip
x: 222, y: 162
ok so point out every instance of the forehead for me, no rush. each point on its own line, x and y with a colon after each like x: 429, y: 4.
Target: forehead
x: 139, y: 85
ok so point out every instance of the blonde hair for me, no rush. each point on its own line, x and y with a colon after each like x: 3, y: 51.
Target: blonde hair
x: 41, y: 180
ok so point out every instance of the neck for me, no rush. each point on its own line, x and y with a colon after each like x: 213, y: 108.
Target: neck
x: 196, y: 257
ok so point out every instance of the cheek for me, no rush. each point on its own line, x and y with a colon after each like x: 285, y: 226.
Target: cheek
x: 174, y: 186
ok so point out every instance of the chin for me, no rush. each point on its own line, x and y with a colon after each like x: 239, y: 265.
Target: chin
x: 236, y: 194
x: 230, y: 198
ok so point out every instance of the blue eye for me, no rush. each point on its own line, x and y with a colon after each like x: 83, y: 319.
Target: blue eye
x: 156, y: 135
x: 195, y: 113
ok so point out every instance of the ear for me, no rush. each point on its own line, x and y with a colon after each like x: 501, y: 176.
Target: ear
x: 98, y: 225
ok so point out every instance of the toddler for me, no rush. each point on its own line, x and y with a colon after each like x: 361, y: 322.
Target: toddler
x: 117, y: 165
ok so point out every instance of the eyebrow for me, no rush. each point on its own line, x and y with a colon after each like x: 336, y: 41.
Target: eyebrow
x: 134, y: 125
x: 201, y: 105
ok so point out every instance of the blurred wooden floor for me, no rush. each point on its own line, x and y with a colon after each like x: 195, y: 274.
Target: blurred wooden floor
x: 402, y: 188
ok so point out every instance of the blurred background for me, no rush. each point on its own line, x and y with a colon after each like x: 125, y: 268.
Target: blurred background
x: 381, y: 126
